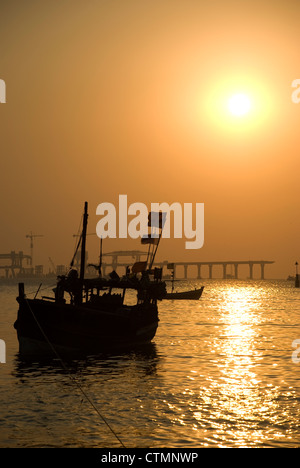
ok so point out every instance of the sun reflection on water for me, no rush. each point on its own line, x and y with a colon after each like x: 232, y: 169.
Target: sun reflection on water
x: 238, y: 403
x: 238, y: 385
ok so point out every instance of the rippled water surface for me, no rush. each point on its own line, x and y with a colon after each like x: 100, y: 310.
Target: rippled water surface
x: 218, y: 374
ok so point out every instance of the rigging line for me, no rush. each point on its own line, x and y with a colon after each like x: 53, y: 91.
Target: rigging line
x: 79, y: 229
x: 72, y: 378
x: 41, y: 289
x: 77, y: 247
x: 77, y: 244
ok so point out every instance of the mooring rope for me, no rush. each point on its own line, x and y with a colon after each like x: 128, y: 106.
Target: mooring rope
x: 41, y: 289
x: 73, y: 380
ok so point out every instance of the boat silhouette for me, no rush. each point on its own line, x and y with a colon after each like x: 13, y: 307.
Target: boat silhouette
x: 193, y: 294
x: 91, y: 315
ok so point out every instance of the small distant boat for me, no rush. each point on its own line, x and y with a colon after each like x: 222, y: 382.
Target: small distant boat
x: 193, y: 294
x: 297, y: 282
x: 291, y: 278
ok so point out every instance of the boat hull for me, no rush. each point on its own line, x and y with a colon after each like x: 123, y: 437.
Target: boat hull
x: 186, y: 295
x: 48, y: 328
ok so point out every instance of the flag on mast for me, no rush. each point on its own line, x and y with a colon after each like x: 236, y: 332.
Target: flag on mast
x: 157, y: 219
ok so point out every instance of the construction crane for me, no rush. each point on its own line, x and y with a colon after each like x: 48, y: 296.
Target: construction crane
x: 31, y: 237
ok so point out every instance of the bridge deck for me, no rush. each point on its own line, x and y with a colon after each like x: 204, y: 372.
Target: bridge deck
x: 262, y: 263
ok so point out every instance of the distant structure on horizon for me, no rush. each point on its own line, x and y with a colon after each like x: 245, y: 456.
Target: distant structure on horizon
x: 138, y: 255
x: 14, y: 267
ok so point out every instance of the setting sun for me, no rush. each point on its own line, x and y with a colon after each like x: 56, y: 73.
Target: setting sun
x: 236, y: 105
x: 239, y: 104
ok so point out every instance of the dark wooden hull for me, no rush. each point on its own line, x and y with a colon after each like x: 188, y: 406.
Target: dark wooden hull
x: 186, y: 295
x: 45, y: 327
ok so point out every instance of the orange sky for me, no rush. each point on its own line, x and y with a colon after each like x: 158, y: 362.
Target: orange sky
x: 124, y: 97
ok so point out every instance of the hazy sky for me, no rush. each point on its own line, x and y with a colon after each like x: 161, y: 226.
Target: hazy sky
x: 127, y: 97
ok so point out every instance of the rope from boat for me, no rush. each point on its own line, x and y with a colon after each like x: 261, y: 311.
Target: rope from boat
x: 41, y: 289
x: 76, y: 247
x: 73, y: 380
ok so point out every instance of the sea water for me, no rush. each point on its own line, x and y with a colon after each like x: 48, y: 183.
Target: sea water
x: 219, y: 373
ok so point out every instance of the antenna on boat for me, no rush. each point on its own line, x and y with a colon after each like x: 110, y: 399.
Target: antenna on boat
x: 158, y: 222
x: 155, y: 220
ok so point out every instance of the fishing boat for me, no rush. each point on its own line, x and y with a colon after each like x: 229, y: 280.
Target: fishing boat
x: 91, y: 315
x: 193, y: 294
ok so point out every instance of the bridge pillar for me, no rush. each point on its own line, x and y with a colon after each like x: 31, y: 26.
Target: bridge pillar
x: 251, y: 270
x: 13, y: 258
x: 262, y: 267
x: 114, y: 262
x: 185, y: 271
x: 210, y: 270
x: 224, y: 270
x: 199, y: 271
x: 236, y: 269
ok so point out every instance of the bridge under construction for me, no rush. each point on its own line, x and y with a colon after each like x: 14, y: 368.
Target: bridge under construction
x: 14, y: 265
x: 233, y: 264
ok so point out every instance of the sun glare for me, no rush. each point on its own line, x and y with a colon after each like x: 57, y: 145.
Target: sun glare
x: 239, y: 104
x: 234, y: 107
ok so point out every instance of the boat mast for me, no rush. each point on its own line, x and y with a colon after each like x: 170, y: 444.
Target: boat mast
x: 83, y: 241
x: 100, y: 258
